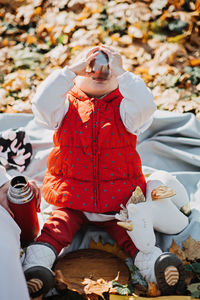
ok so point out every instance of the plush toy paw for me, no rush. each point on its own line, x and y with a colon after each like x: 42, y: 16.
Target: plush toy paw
x: 39, y: 280
x: 170, y: 274
x: 145, y: 263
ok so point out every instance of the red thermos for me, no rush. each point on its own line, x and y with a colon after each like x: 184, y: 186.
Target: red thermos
x: 22, y: 202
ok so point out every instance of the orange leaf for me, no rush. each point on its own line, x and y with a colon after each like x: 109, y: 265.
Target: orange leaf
x: 153, y: 290
x: 38, y: 10
x: 52, y: 39
x: 197, y: 6
x: 5, y: 42
x: 176, y: 249
x: 177, y: 3
x: 195, y: 62
x: 31, y: 39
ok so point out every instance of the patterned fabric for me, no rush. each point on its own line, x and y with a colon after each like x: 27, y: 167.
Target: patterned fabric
x: 15, y: 149
x: 94, y: 165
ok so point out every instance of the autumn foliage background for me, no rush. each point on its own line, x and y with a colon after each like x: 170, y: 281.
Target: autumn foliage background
x: 158, y: 39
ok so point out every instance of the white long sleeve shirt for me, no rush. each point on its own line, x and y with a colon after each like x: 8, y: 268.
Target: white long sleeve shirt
x: 50, y: 103
x: 4, y: 177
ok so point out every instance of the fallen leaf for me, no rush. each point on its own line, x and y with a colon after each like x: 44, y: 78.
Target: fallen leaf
x: 114, y: 249
x: 177, y: 250
x: 194, y: 289
x: 97, y: 287
x: 137, y: 196
x: 191, y: 249
x: 153, y: 290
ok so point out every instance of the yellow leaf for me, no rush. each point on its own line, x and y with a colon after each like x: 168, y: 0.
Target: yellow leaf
x: 5, y: 42
x: 195, y: 62
x: 197, y: 6
x: 177, y: 38
x: 31, y: 39
x: 114, y: 249
x: 177, y: 3
x: 115, y: 37
x: 38, y: 10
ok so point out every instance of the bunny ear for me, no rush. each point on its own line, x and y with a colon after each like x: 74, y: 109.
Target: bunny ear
x: 162, y: 192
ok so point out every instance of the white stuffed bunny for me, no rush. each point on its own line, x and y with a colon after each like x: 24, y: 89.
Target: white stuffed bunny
x: 166, y: 197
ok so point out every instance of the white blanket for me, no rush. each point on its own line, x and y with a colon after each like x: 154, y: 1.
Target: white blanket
x: 172, y: 143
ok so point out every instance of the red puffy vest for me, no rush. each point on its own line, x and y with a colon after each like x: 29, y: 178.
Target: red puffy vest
x: 94, y: 165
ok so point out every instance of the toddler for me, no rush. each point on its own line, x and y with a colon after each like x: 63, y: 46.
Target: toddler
x: 94, y: 166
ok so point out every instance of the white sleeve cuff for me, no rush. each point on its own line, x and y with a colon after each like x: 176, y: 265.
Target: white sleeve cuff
x: 4, y: 177
x: 68, y: 73
x: 126, y: 77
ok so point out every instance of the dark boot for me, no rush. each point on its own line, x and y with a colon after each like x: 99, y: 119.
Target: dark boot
x: 170, y: 274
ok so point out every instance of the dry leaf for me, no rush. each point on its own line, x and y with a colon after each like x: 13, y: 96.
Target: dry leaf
x: 97, y: 287
x: 37, y: 31
x: 191, y: 249
x: 177, y: 250
x: 153, y: 290
x: 114, y: 249
x: 137, y: 196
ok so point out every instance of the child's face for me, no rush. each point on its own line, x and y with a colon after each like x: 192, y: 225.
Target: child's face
x: 96, y: 87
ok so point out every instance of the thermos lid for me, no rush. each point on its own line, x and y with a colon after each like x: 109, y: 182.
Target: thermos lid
x: 20, y: 191
x: 99, y: 66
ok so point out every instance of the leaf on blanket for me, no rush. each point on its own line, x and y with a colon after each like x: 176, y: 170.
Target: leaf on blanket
x: 194, y: 267
x: 136, y: 277
x: 123, y: 289
x: 191, y: 249
x: 97, y: 287
x: 176, y: 249
x: 194, y: 290
x: 153, y: 290
x: 192, y: 273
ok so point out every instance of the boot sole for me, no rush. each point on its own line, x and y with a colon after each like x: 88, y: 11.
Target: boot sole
x: 170, y: 274
x: 44, y: 275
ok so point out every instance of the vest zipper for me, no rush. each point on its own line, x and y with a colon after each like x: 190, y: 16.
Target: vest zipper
x: 96, y: 154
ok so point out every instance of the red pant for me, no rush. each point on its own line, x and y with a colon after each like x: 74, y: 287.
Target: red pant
x: 64, y: 223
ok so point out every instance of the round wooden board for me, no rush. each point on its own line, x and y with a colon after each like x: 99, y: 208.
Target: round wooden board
x: 93, y: 264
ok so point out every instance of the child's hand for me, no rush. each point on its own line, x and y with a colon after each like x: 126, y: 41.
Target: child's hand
x: 81, y: 67
x: 115, y: 60
x: 36, y: 189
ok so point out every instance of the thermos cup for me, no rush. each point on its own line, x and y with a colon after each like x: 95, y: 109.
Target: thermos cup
x: 99, y: 66
x: 22, y: 202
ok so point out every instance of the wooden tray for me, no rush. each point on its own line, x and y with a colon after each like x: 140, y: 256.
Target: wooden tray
x: 92, y: 264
